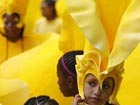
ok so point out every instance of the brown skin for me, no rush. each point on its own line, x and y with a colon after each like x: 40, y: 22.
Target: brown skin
x: 93, y: 94
x: 67, y: 84
x: 12, y: 32
x: 47, y: 11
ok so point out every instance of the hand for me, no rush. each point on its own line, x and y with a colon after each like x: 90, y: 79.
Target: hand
x: 77, y: 99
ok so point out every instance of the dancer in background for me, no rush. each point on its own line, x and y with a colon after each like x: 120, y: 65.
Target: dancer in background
x: 50, y: 22
x: 12, y: 38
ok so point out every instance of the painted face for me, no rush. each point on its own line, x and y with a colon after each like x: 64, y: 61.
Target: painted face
x: 10, y: 25
x: 47, y: 11
x: 93, y: 93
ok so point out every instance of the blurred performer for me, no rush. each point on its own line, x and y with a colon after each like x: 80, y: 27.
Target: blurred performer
x: 12, y: 38
x: 50, y: 21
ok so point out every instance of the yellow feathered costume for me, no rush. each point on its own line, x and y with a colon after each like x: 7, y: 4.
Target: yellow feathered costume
x: 112, y: 28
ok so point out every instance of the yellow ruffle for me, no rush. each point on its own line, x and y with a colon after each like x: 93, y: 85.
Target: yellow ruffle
x: 128, y: 34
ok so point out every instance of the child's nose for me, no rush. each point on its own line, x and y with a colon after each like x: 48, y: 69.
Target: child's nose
x: 97, y: 90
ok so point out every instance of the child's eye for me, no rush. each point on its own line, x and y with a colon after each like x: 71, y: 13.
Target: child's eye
x: 6, y: 22
x: 106, y: 86
x: 92, y: 84
x: 16, y: 20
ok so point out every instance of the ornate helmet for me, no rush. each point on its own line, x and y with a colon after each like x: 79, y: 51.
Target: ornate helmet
x: 93, y: 62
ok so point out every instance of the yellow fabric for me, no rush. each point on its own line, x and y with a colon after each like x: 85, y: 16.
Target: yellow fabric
x: 88, y: 21
x: 70, y: 39
x: 9, y: 49
x: 129, y: 92
x: 18, y: 6
x: 60, y: 7
x: 110, y: 33
x: 110, y: 13
x: 3, y: 7
x: 37, y: 67
x: 128, y: 35
x: 43, y: 26
x: 33, y: 13
x: 13, y: 92
x: 2, y: 48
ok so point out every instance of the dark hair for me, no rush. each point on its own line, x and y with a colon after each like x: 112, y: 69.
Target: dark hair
x: 51, y: 3
x: 41, y: 100
x: 107, y: 103
x: 67, y: 63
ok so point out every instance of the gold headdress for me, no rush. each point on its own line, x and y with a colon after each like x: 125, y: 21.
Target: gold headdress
x: 19, y: 7
x: 92, y: 62
x: 110, y: 44
x: 3, y: 7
